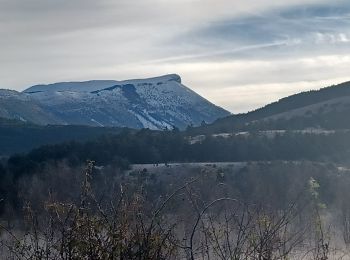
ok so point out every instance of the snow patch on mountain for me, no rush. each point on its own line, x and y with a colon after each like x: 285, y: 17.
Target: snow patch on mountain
x: 155, y: 103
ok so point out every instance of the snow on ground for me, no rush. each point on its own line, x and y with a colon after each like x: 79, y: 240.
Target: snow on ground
x: 162, y: 166
x: 267, y: 133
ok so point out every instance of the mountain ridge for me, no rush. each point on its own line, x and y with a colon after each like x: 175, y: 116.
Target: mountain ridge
x: 156, y: 103
x: 92, y: 85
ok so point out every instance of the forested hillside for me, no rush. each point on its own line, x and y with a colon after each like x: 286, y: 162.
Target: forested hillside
x: 325, y: 108
x: 20, y: 137
x: 154, y: 147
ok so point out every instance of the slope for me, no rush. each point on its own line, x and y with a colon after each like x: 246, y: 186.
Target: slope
x: 155, y: 103
x: 325, y: 108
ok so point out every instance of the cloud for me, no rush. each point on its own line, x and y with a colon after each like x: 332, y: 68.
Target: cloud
x: 223, y: 49
x: 327, y: 23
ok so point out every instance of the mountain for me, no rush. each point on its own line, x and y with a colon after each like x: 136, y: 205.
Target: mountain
x: 155, y: 103
x: 20, y: 106
x: 326, y: 108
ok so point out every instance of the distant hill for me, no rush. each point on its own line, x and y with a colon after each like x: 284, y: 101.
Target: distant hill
x: 154, y: 103
x: 325, y: 108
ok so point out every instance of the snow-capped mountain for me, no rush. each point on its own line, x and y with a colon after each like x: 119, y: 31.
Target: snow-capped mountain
x: 155, y: 103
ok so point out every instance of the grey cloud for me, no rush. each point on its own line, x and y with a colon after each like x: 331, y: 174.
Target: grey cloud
x: 293, y: 24
x: 42, y: 41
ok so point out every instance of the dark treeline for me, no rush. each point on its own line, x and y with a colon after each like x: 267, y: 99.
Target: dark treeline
x: 146, y: 146
x: 18, y: 137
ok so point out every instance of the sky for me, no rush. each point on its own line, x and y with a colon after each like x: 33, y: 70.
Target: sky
x: 239, y: 54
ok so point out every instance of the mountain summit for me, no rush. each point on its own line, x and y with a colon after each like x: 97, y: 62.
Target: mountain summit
x: 155, y: 103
